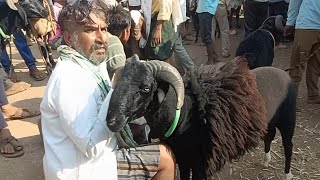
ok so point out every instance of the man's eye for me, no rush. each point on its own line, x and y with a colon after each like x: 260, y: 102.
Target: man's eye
x: 104, y: 29
x: 89, y: 30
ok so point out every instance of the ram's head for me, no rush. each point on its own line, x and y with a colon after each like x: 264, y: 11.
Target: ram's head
x: 137, y: 88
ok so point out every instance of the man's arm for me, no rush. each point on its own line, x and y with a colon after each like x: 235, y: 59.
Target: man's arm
x: 164, y: 14
x: 77, y: 108
x: 294, y: 7
x: 116, y: 55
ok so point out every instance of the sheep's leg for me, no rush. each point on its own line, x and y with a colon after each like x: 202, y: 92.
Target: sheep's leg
x: 286, y: 127
x: 287, y: 135
x: 267, y: 145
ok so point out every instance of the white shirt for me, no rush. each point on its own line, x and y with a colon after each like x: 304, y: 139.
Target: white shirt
x: 78, y: 144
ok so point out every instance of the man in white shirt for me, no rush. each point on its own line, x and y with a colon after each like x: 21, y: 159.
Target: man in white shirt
x: 78, y: 144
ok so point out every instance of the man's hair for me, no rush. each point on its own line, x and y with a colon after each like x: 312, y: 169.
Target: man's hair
x: 78, y: 13
x: 119, y: 19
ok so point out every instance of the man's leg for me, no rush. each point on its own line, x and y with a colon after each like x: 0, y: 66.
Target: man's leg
x: 23, y: 48
x: 222, y: 18
x: 297, y: 66
x: 181, y: 57
x: 205, y: 20
x: 262, y: 13
x: 153, y: 161
x: 167, y: 165
x: 25, y: 52
x: 9, y: 146
x: 249, y: 16
x: 254, y: 15
x: 312, y: 76
x: 5, y: 61
x: 237, y: 12
x: 214, y: 27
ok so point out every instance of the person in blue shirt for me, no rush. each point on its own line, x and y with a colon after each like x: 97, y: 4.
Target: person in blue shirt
x: 305, y: 16
x: 206, y: 10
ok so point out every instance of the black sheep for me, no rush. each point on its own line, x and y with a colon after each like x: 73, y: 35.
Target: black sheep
x: 223, y: 113
x: 258, y: 46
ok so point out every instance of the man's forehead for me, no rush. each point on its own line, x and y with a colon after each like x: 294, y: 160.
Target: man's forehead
x: 97, y: 19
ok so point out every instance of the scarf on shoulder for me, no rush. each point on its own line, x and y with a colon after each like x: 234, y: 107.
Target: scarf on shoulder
x: 67, y: 53
x: 124, y: 137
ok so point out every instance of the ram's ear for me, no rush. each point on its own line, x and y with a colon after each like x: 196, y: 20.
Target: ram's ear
x: 116, y: 76
x: 160, y: 95
x: 133, y: 59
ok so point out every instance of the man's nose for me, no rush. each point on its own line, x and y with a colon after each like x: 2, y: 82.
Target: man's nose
x: 102, y: 36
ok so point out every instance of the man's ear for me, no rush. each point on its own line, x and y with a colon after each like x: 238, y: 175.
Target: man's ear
x: 127, y: 32
x: 67, y: 37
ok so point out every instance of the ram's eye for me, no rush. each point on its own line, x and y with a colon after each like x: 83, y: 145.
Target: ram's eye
x: 145, y: 89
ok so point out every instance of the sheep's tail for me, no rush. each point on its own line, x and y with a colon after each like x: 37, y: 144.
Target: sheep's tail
x: 234, y: 112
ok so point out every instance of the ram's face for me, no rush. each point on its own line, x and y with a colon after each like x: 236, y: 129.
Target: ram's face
x: 131, y: 96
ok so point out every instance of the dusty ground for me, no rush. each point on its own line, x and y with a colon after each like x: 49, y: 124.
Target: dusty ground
x: 306, y: 153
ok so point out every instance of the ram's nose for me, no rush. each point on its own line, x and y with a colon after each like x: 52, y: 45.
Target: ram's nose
x: 115, y: 124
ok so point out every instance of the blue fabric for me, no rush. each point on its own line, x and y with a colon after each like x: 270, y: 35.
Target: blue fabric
x: 205, y: 21
x: 3, y: 101
x: 3, y: 122
x: 209, y: 6
x: 24, y: 50
x: 305, y: 14
x: 182, y: 57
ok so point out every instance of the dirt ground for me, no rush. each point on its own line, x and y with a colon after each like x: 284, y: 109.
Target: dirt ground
x: 306, y: 152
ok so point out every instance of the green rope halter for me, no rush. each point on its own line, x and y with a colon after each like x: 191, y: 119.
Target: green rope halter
x: 174, y: 123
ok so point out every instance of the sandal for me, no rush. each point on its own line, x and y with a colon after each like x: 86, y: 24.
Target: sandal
x: 16, y: 146
x: 22, y: 113
x: 37, y: 75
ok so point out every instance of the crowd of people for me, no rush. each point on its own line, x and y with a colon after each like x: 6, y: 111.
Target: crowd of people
x: 96, y: 37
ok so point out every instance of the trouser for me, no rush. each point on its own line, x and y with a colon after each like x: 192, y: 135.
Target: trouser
x: 24, y: 50
x: 3, y: 101
x: 182, y: 58
x: 306, y: 55
x: 205, y: 21
x: 6, y: 81
x: 254, y: 15
x: 221, y: 17
x: 279, y: 8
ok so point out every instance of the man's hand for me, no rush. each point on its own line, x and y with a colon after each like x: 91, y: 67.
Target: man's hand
x: 156, y: 34
x: 156, y: 37
x: 288, y: 29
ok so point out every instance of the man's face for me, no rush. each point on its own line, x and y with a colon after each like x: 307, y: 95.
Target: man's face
x: 91, y: 39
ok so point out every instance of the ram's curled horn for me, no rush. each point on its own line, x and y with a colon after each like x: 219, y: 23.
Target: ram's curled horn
x: 165, y: 72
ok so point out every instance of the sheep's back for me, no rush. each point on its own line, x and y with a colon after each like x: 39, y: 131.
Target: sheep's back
x: 233, y: 110
x: 273, y: 86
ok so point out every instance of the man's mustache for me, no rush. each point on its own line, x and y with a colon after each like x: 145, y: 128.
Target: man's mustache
x: 99, y: 46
